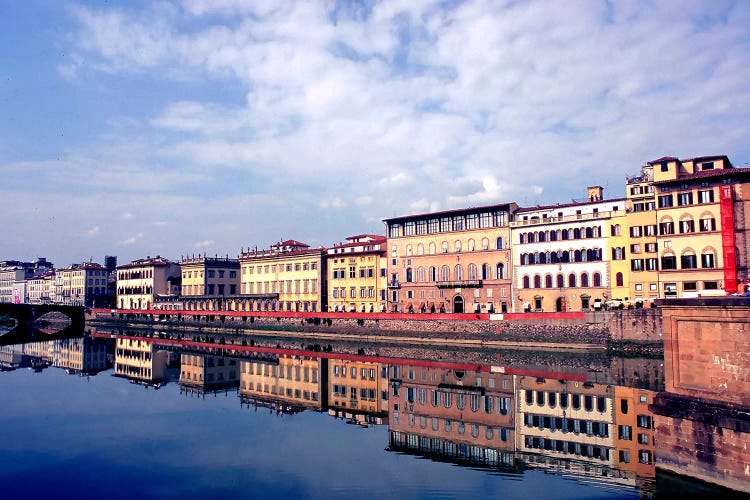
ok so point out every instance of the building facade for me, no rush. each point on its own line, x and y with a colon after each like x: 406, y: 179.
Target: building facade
x: 456, y: 261
x: 208, y: 281
x: 288, y: 383
x: 290, y: 276
x: 563, y: 254
x: 357, y: 273
x: 139, y: 282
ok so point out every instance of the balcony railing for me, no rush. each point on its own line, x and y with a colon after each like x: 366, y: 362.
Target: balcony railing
x: 566, y: 218
x: 394, y: 284
x: 460, y: 284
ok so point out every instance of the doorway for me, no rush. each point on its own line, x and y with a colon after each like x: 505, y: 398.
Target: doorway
x: 458, y: 304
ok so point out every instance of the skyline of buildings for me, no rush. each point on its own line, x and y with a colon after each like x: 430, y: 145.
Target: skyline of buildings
x: 681, y: 229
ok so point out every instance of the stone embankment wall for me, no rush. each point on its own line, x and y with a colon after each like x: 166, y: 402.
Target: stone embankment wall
x: 703, y: 418
x: 537, y: 329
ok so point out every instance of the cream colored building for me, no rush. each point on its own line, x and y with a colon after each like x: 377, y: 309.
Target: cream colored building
x: 140, y: 361
x: 139, y: 282
x: 84, y: 355
x: 41, y: 289
x: 566, y: 419
x: 208, y: 281
x: 563, y: 254
x: 290, y: 383
x: 290, y: 276
x: 358, y: 388
x: 456, y: 261
x: 357, y: 274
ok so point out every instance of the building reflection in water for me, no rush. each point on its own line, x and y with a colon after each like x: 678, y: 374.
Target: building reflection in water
x: 202, y: 373
x: 285, y: 383
x: 143, y: 361
x: 500, y: 418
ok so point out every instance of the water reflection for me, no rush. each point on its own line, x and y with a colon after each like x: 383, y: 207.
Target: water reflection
x: 573, y: 422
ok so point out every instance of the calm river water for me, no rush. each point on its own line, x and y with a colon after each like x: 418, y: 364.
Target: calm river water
x: 134, y: 417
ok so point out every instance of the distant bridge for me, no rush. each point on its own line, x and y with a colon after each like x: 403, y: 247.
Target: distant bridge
x: 27, y: 328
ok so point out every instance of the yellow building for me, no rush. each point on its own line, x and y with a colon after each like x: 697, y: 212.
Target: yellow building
x: 289, y: 277
x: 141, y: 281
x: 288, y: 383
x: 456, y: 261
x: 694, y: 230
x: 358, y: 389
x: 357, y: 274
x: 208, y: 281
x: 634, y: 437
x: 641, y: 247
x: 565, y: 257
x: 85, y: 355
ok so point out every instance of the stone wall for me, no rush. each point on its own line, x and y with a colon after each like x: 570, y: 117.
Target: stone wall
x: 635, y: 325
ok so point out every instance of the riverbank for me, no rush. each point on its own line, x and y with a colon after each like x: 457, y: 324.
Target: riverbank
x: 546, y: 331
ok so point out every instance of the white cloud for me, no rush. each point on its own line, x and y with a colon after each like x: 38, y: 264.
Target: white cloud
x: 304, y: 107
x: 132, y: 240
x: 93, y: 231
x: 204, y: 244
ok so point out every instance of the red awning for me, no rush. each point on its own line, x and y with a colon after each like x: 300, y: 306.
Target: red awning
x: 422, y: 305
x: 409, y: 305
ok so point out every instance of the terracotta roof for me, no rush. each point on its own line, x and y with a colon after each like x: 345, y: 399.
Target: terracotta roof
x: 379, y: 240
x: 293, y: 243
x: 708, y: 174
x: 663, y: 159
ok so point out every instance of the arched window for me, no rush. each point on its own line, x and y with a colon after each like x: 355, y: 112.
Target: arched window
x: 565, y: 258
x: 408, y: 250
x: 572, y: 280
x: 542, y: 237
x: 457, y: 245
x: 584, y: 279
x: 409, y: 276
x: 577, y: 256
x: 420, y: 274
x: 542, y: 258
x: 420, y: 249
x: 619, y: 279
x: 433, y: 273
x: 548, y: 281
x: 537, y: 281
x: 432, y: 248
x: 458, y: 272
x: 596, y: 231
x: 708, y: 258
x: 560, y: 281
x: 589, y: 232
x: 445, y: 273
x: 615, y: 230
x: 500, y: 243
x: 523, y: 238
x: 553, y: 235
x: 500, y: 271
x: 445, y: 247
x: 471, y: 245
x: 485, y: 244
x: 597, y: 279
x: 485, y: 271
x: 526, y: 282
x: 472, y: 271
x: 554, y: 257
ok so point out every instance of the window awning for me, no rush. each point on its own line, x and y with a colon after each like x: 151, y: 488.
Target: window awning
x: 410, y: 306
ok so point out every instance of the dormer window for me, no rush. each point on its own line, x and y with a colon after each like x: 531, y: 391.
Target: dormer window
x: 709, y: 165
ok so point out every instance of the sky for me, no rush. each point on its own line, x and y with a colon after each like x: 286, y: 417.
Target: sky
x: 210, y: 126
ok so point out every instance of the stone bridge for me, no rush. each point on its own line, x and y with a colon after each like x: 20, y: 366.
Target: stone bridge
x: 27, y: 316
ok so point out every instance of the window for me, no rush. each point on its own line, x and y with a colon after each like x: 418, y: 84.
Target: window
x: 684, y: 199
x: 649, y: 230
x: 619, y: 279
x: 668, y: 262
x: 458, y: 246
x: 636, y: 265
x: 644, y: 421
x: 666, y: 228
x: 706, y: 196
x: 635, y: 231
x: 689, y: 261
x: 651, y: 247
x: 665, y: 201
x: 635, y: 248
x: 707, y: 224
x: 707, y: 260
x: 624, y: 456
x: 687, y: 226
x: 652, y: 264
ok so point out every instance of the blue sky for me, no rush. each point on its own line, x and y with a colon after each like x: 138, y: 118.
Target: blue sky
x: 180, y: 127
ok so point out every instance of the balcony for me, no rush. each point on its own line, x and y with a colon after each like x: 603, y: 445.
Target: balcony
x: 460, y: 284
x: 394, y: 284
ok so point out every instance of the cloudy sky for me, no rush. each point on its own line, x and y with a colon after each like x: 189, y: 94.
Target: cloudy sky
x: 178, y: 127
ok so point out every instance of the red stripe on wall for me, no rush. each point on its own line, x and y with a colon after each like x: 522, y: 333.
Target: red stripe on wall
x: 726, y: 210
